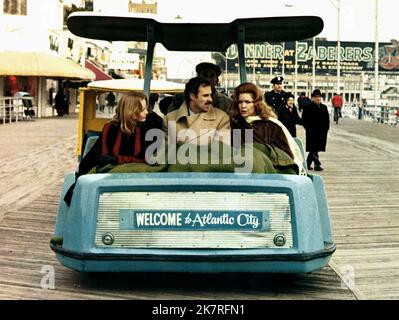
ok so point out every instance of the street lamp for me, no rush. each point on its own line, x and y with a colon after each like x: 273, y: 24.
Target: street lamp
x: 271, y: 67
x: 337, y: 5
x: 253, y: 67
x: 314, y: 65
x: 376, y: 58
x: 283, y: 65
x: 296, y: 69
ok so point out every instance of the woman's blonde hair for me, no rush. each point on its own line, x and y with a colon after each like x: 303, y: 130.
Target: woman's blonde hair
x: 128, y: 110
x: 261, y: 108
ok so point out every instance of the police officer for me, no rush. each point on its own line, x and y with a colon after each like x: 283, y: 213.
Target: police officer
x: 277, y: 97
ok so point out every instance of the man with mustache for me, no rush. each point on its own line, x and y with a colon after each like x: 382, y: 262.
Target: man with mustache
x: 210, y: 72
x: 197, y: 121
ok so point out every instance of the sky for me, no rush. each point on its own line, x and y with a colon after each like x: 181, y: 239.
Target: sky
x: 357, y: 16
x: 357, y: 20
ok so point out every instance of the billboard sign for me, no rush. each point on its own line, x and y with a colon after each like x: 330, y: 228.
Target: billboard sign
x: 356, y: 57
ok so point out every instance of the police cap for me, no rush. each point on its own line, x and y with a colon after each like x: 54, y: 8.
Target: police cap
x: 277, y: 80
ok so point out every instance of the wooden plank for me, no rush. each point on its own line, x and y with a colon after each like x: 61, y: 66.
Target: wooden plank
x: 361, y: 200
x: 360, y: 167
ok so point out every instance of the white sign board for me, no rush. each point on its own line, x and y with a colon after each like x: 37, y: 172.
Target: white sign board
x: 124, y: 61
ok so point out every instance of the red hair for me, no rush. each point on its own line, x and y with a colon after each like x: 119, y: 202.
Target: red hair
x: 261, y: 108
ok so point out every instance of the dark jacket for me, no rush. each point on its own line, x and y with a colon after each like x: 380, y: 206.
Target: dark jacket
x: 111, y: 99
x: 276, y: 100
x: 290, y: 119
x: 303, y: 102
x: 264, y: 132
x: 316, y: 121
x: 60, y: 100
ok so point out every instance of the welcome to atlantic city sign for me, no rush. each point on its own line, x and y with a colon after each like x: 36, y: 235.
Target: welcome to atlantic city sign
x: 356, y: 57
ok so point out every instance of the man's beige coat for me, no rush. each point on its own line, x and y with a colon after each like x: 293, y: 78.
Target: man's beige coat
x: 198, y: 128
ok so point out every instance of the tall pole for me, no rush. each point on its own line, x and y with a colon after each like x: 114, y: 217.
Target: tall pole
x: 339, y: 46
x: 271, y: 67
x: 296, y: 69
x: 314, y: 65
x: 253, y: 68
x: 283, y: 66
x: 241, y: 52
x: 376, y: 58
x: 149, y: 59
x: 225, y: 73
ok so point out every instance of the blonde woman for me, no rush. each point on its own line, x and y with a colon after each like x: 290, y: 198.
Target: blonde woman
x: 248, y: 111
x: 123, y: 138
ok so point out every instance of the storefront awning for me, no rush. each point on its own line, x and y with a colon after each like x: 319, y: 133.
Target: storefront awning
x: 100, y: 74
x: 13, y: 63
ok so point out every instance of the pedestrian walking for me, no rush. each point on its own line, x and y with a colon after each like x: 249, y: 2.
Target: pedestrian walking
x: 337, y: 104
x: 303, y: 101
x: 66, y: 101
x: 111, y: 102
x: 316, y: 121
x: 288, y: 115
x: 59, y: 102
x: 101, y: 101
x: 361, y: 106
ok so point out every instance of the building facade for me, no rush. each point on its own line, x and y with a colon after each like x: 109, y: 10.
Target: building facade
x: 142, y: 6
x: 36, y: 26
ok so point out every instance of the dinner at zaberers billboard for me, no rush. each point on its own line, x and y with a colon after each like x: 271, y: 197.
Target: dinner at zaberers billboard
x: 356, y: 57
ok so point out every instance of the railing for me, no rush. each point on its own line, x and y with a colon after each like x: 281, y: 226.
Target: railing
x: 381, y: 114
x: 16, y: 109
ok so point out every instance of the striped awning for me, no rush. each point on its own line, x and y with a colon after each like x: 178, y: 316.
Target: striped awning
x: 100, y: 74
x: 39, y: 64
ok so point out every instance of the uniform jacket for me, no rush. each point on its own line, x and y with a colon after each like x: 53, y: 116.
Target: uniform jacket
x: 215, y: 120
x: 276, y: 100
x: 316, y: 121
x: 289, y: 118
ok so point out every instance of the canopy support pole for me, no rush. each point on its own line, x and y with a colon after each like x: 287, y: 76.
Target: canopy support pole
x: 150, y: 56
x: 241, y: 53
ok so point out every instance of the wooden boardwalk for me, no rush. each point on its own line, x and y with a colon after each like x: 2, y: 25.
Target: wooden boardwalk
x: 361, y: 180
x: 362, y: 202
